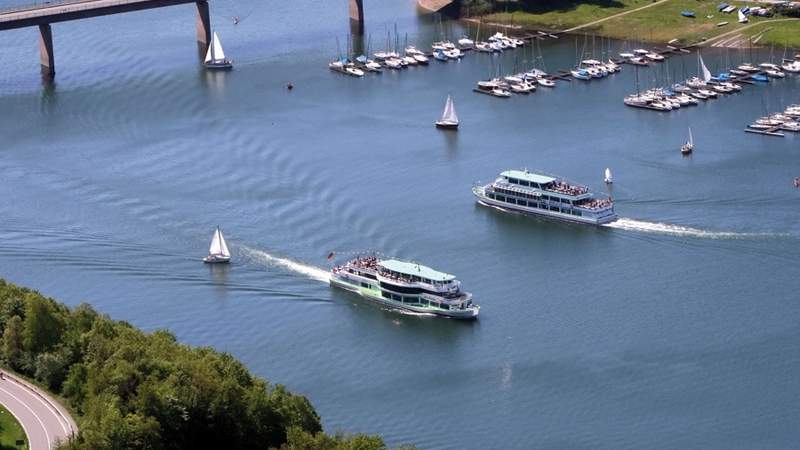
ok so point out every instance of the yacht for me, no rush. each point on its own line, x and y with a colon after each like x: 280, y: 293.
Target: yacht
x: 405, y: 285
x: 345, y: 67
x: 466, y: 42
x: 689, y: 145
x: 449, y: 119
x: 215, y: 56
x: 218, y: 250
x: 581, y: 74
x: 539, y: 194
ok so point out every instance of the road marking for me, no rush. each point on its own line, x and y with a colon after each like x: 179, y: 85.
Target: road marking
x: 46, y: 434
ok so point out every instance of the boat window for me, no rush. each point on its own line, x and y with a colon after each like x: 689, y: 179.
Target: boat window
x: 522, y: 203
x: 554, y: 208
x: 386, y: 295
x: 364, y: 284
x: 396, y: 297
x: 525, y: 183
x: 444, y: 306
x: 536, y: 185
x: 501, y: 198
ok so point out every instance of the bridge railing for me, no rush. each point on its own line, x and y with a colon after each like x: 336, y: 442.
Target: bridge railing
x: 32, y: 7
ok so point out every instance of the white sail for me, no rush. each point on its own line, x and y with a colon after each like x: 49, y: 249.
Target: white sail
x: 706, y: 72
x: 608, y: 177
x: 218, y: 245
x: 209, y: 53
x: 218, y: 54
x: 691, y: 140
x: 449, y: 114
x: 742, y: 17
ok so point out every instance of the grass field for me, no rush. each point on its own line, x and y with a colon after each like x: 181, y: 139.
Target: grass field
x: 660, y: 23
x: 10, y: 431
x: 779, y: 34
x: 567, y: 15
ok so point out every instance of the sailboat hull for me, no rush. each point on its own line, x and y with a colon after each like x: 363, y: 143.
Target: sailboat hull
x: 446, y: 125
x: 217, y: 259
x: 219, y: 65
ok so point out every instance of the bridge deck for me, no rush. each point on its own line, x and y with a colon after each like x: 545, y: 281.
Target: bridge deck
x: 61, y: 11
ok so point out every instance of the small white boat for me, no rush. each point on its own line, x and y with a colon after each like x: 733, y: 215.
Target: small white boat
x: 747, y: 67
x: 688, y: 147
x: 215, y: 56
x: 523, y: 88
x: 449, y: 118
x: 641, y: 51
x: 626, y: 55
x: 502, y: 93
x: 218, y: 251
x: 708, y: 93
x: 791, y: 67
x: 545, y: 82
x: 607, y: 176
x: 466, y: 42
x: 581, y: 74
x: 484, y: 47
x: 453, y: 53
x: 654, y: 56
x: 439, y: 55
x: 774, y: 73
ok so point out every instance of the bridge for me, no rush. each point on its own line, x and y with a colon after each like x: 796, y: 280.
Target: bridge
x: 44, y: 14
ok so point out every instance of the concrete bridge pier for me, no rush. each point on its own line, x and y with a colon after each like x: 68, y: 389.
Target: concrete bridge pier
x: 357, y: 17
x: 46, y: 57
x: 203, y: 25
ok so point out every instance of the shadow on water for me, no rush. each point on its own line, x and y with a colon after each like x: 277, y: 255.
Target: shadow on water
x: 450, y: 142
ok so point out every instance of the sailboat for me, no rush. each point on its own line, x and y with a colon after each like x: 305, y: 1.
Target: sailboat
x: 449, y: 118
x: 689, y: 145
x: 218, y: 251
x: 607, y: 177
x: 215, y: 57
x: 742, y: 17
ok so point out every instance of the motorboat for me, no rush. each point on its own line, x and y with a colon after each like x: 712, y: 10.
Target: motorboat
x: 654, y: 56
x: 688, y: 147
x: 581, y: 74
x: 774, y: 73
x: 466, y: 42
x: 747, y: 67
x: 545, y: 82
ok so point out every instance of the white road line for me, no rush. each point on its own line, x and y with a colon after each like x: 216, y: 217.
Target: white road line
x: 46, y: 434
x: 49, y: 406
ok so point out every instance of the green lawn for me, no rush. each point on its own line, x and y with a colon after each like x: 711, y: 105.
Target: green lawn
x: 779, y: 34
x: 10, y: 431
x: 566, y: 15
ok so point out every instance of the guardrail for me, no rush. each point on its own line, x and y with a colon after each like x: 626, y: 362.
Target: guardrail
x: 66, y: 6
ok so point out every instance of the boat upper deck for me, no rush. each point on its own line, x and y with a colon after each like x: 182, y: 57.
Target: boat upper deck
x: 416, y: 272
x: 546, y: 183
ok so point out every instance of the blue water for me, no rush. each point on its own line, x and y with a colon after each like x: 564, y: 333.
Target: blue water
x: 675, y: 328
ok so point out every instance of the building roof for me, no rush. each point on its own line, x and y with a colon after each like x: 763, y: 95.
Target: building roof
x: 410, y: 268
x: 528, y: 176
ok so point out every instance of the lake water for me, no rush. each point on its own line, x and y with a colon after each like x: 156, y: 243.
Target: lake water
x: 677, y: 327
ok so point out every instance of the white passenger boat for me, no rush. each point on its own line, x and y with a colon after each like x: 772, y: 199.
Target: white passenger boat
x: 215, y: 56
x: 405, y: 285
x: 546, y: 196
x: 218, y: 250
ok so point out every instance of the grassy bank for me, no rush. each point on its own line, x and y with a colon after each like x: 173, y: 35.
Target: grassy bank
x: 779, y: 34
x: 10, y: 431
x: 562, y: 15
x: 659, y: 23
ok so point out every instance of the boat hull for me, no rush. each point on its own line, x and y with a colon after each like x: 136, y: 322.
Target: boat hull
x: 446, y: 125
x: 486, y: 201
x: 217, y: 259
x: 219, y: 65
x: 374, y: 296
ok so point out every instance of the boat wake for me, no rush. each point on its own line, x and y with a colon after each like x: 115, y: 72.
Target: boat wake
x: 315, y: 273
x: 678, y: 230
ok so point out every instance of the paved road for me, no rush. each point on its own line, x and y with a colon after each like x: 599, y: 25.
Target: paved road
x: 43, y: 419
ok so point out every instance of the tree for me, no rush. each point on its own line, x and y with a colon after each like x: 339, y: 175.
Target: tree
x: 43, y: 326
x: 12, y: 341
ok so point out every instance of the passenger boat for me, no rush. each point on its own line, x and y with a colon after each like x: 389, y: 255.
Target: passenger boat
x: 449, y: 118
x: 547, y: 196
x: 405, y: 285
x: 218, y: 250
x: 215, y: 56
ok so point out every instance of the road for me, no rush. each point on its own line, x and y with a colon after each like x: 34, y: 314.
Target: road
x: 45, y: 421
